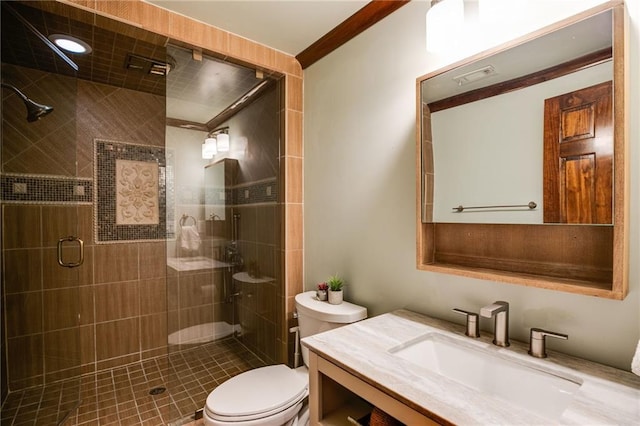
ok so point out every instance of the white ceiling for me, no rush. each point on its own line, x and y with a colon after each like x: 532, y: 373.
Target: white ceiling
x: 289, y: 26
x: 573, y: 41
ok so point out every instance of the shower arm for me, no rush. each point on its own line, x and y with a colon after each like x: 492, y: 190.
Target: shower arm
x: 34, y: 110
x: 17, y: 92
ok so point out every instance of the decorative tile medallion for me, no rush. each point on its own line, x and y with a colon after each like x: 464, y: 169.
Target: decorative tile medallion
x: 130, y: 199
x: 136, y: 193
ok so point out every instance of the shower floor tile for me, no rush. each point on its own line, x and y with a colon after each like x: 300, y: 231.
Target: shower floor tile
x: 121, y: 396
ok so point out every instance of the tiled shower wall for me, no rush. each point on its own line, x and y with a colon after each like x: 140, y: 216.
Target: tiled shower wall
x: 122, y: 294
x: 233, y: 47
x: 223, y: 43
x: 256, y: 198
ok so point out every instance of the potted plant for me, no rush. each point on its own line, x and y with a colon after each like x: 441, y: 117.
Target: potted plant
x: 335, y: 289
x: 321, y: 292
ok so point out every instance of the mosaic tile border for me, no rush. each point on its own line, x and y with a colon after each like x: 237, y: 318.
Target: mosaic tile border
x: 264, y: 191
x: 106, y: 152
x: 21, y: 188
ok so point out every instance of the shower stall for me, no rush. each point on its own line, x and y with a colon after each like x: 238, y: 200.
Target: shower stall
x: 136, y: 274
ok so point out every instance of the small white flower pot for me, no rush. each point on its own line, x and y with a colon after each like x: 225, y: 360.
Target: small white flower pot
x: 335, y: 297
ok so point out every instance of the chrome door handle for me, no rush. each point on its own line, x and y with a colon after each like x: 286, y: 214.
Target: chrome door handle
x: 80, y: 261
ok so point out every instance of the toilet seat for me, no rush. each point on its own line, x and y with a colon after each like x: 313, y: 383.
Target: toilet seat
x: 257, y: 394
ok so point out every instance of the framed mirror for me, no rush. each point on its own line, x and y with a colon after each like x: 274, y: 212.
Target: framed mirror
x: 521, y: 153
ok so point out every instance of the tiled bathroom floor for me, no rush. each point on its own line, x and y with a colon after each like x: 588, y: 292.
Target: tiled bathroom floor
x: 121, y: 396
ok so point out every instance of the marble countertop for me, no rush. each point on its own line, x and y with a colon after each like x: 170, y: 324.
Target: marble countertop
x: 606, y: 396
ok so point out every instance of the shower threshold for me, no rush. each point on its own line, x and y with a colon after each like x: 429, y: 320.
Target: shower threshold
x: 203, y: 333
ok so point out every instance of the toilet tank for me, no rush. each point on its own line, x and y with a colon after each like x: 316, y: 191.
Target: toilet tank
x: 315, y: 316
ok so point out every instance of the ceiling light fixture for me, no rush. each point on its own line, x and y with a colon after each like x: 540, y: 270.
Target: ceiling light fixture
x: 221, y: 137
x: 223, y: 142
x: 445, y: 20
x: 209, y: 149
x: 70, y: 44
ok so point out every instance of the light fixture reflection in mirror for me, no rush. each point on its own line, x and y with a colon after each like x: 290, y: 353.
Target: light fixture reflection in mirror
x: 459, y: 28
x: 223, y: 142
x: 445, y: 20
x: 209, y: 149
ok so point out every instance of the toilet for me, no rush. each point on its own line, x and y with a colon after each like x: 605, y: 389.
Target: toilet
x: 276, y: 395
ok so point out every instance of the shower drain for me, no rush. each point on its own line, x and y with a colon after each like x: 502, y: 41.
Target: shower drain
x: 157, y: 391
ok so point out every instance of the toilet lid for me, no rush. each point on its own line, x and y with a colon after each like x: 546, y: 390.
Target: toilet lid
x: 258, y: 391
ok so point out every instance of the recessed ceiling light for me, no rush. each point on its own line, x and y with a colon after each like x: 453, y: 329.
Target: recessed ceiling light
x: 70, y: 44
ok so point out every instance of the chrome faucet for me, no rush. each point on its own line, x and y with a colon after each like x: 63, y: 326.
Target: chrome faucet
x: 537, y: 346
x: 473, y: 325
x: 499, y: 310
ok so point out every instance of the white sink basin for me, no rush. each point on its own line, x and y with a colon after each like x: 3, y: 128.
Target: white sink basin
x: 484, y: 369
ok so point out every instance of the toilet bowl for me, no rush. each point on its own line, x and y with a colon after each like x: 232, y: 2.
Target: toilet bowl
x: 276, y: 395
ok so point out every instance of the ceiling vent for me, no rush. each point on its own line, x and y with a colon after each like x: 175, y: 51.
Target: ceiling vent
x: 475, y: 75
x: 148, y: 65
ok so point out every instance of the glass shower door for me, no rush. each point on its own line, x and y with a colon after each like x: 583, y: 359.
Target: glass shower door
x: 46, y: 211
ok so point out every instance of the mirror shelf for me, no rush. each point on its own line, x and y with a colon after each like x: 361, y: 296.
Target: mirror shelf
x: 576, y: 258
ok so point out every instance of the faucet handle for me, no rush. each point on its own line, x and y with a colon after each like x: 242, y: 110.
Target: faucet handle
x: 537, y: 344
x: 473, y: 325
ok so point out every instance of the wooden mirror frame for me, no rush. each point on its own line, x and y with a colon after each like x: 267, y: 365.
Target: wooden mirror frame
x: 583, y: 259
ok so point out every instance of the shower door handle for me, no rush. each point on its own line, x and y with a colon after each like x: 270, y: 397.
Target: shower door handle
x: 80, y: 261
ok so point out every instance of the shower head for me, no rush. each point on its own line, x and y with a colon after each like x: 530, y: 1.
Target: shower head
x: 34, y: 109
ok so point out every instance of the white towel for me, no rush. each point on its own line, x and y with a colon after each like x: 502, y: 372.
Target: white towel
x: 189, y: 238
x: 635, y: 363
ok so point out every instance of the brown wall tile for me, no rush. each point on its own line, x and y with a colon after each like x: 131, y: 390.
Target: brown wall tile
x: 110, y: 363
x: 267, y: 340
x: 56, y: 276
x: 61, y: 350
x: 294, y: 93
x: 267, y: 232
x: 117, y: 338
x: 294, y: 146
x: 197, y: 34
x: 17, y: 306
x: 87, y: 345
x: 87, y: 306
x: 267, y: 301
x: 294, y: 278
x: 25, y: 361
x: 61, y: 308
x: 250, y: 51
x: 116, y: 301
x: 153, y: 260
x: 115, y: 262
x: 21, y: 227
x: 22, y: 270
x: 196, y: 316
x: 153, y: 296
x: 195, y: 288
x: 173, y: 292
x: 293, y: 230
x: 153, y: 331
x: 59, y: 222
x: 293, y: 180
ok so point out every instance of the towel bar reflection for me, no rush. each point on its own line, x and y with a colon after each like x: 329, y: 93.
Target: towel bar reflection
x: 186, y: 217
x: 532, y: 205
